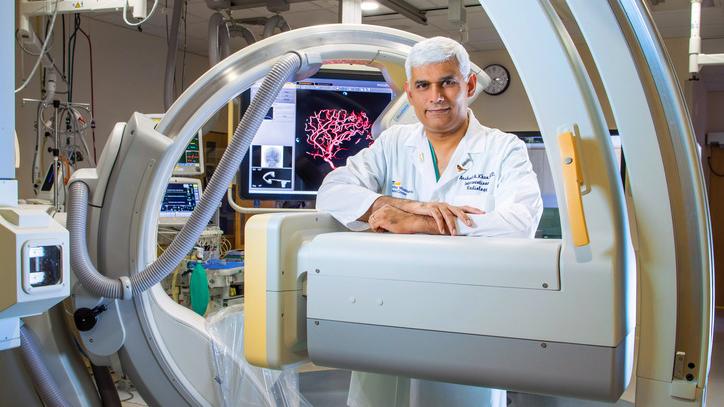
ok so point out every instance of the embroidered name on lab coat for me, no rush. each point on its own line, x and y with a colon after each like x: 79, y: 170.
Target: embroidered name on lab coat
x: 477, y: 182
x: 397, y: 188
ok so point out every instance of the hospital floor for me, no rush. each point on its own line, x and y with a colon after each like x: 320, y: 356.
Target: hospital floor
x: 329, y: 388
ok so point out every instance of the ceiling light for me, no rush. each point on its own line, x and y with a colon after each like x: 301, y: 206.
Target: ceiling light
x: 369, y: 5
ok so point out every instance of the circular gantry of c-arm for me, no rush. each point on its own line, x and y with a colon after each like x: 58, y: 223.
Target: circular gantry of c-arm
x: 163, y: 342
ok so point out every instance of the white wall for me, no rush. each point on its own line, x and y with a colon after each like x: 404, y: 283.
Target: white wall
x: 128, y: 68
x: 511, y: 110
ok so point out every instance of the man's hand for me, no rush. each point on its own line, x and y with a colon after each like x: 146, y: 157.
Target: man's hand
x: 391, y: 219
x: 443, y: 213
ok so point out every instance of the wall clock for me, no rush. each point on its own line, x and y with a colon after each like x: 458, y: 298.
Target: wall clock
x: 499, y: 79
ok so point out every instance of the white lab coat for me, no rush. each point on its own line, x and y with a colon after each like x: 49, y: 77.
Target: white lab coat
x: 489, y: 170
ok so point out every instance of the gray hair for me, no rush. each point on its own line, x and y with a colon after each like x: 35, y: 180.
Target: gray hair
x: 435, y: 50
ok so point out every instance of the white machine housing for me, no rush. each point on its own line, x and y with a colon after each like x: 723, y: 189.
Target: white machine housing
x: 26, y: 237
x: 382, y: 303
x: 185, y: 170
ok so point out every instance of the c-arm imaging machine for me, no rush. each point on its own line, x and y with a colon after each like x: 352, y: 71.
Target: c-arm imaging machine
x: 555, y: 317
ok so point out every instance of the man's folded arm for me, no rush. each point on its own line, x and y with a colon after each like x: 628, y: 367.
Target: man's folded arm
x: 515, y: 221
x: 348, y: 192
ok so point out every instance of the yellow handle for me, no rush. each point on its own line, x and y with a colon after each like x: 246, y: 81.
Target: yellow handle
x: 572, y: 182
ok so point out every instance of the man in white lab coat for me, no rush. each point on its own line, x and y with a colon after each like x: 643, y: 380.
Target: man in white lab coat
x: 447, y: 174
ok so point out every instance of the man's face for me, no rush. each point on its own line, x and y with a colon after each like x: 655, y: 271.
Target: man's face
x: 438, y: 93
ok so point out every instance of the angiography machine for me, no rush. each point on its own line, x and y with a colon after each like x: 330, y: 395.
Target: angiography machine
x: 629, y: 283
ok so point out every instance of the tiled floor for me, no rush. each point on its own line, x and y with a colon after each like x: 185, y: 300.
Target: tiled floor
x: 329, y: 388
x: 131, y: 399
x: 128, y: 394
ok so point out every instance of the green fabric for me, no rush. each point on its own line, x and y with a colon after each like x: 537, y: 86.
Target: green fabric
x: 199, y: 290
x: 434, y: 161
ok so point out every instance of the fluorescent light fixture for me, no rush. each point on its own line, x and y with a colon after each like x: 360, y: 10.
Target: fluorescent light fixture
x: 368, y: 5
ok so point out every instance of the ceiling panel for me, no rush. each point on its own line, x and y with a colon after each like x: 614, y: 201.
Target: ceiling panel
x: 439, y: 19
x: 307, y: 18
x: 484, y: 46
x: 304, y: 6
x: 378, y: 19
x: 444, y: 3
x: 196, y: 9
x: 253, y: 12
x: 381, y: 10
x: 477, y: 19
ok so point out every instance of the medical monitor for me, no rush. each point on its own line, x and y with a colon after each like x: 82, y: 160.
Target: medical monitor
x: 191, y: 161
x: 48, y: 186
x: 181, y: 197
x: 311, y: 128
x: 49, y: 180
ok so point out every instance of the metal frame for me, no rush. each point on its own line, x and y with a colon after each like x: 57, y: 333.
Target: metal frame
x: 690, y: 217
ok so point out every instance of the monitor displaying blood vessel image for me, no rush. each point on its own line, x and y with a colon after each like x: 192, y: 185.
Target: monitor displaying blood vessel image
x: 332, y: 133
x: 313, y: 126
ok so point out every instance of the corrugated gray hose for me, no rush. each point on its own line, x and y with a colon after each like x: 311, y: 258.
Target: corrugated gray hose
x: 102, y: 286
x: 45, y: 385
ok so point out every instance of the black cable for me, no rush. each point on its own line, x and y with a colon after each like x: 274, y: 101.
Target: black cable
x: 42, y: 83
x: 43, y: 73
x: 623, y: 169
x: 183, y: 60
x: 165, y: 16
x: 106, y: 387
x: 63, y: 19
x: 71, y: 70
x: 93, y: 103
x: 711, y: 168
x: 71, y: 59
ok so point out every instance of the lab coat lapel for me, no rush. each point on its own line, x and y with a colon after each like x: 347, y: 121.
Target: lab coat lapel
x: 460, y: 162
x: 464, y: 155
x: 418, y: 151
x: 455, y: 167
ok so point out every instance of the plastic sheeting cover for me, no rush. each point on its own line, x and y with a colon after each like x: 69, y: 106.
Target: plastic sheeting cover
x: 240, y: 383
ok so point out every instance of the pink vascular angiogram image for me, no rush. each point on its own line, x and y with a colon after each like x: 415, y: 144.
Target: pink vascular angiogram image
x: 328, y: 130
